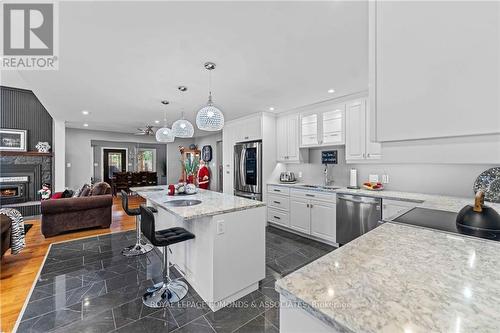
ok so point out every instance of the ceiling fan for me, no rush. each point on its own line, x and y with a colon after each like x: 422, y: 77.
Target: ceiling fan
x: 147, y: 130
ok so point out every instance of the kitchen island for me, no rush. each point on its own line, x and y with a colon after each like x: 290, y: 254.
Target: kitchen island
x: 397, y: 278
x: 226, y: 260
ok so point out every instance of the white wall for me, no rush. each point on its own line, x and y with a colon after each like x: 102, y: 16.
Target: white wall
x: 211, y: 140
x: 79, y: 152
x: 59, y: 149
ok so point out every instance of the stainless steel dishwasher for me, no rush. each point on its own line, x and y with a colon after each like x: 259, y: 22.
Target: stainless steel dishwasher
x: 356, y: 215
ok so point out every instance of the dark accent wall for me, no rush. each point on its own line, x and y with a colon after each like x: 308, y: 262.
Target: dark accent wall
x: 21, y: 109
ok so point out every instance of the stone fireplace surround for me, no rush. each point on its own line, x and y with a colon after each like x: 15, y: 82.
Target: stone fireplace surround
x: 38, y: 169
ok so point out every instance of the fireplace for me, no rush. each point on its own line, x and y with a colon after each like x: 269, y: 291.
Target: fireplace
x: 19, y: 183
x: 13, y: 189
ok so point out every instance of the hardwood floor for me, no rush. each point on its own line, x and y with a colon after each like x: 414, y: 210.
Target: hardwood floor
x: 17, y: 272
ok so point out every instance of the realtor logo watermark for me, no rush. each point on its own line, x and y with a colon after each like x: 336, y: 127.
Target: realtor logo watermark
x: 30, y: 36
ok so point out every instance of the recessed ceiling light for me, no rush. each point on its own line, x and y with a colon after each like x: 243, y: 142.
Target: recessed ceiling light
x: 85, y: 125
x: 157, y: 121
x: 271, y: 109
x: 85, y: 112
x: 331, y: 91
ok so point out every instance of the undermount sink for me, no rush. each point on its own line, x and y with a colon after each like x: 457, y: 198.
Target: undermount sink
x: 321, y: 187
x: 183, y: 202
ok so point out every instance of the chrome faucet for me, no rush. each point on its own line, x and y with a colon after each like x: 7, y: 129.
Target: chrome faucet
x: 327, y: 181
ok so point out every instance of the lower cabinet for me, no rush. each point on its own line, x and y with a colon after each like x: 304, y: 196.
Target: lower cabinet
x: 392, y: 208
x: 323, y: 220
x: 308, y: 212
x: 300, y: 215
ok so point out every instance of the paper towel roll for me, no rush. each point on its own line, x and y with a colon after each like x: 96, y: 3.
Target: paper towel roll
x: 353, y: 179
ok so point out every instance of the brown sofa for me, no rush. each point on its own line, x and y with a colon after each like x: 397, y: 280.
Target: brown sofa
x: 5, y: 229
x: 68, y: 214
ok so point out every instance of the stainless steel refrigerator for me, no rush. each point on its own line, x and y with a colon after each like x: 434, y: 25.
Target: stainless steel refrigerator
x: 248, y: 170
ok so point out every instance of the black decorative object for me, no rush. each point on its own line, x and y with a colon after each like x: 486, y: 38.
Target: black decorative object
x: 329, y: 157
x: 206, y: 153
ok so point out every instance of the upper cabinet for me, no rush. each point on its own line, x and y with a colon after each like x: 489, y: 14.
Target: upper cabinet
x: 358, y: 144
x: 287, y: 140
x: 434, y: 69
x: 249, y: 129
x: 324, y: 127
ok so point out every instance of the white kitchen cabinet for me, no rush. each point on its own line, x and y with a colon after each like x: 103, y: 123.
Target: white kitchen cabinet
x: 228, y: 140
x: 323, y: 127
x: 358, y: 145
x: 323, y: 220
x: 249, y: 129
x: 287, y: 140
x: 300, y: 215
x: 309, y: 130
x: 434, y: 69
x: 392, y: 208
x: 307, y: 212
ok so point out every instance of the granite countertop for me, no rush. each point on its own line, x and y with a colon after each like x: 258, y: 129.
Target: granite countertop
x: 212, y: 203
x: 400, y: 278
x: 441, y: 202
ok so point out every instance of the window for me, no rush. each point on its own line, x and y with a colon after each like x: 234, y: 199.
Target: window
x: 146, y: 159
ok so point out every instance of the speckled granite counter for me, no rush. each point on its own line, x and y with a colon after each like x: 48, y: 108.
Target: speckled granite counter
x: 212, y: 203
x: 441, y: 202
x: 403, y: 279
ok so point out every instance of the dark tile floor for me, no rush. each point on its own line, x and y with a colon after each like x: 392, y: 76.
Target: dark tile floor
x: 86, y: 285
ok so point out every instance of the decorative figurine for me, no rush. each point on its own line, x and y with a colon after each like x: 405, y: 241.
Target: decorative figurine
x: 43, y: 147
x: 45, y: 191
x: 203, y: 176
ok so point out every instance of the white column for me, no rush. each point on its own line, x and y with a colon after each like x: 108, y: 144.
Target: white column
x: 59, y: 151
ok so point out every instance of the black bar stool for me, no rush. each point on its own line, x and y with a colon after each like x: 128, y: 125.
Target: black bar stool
x: 170, y: 290
x: 139, y: 247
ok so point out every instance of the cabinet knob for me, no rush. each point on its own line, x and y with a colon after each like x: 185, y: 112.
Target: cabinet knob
x: 368, y: 154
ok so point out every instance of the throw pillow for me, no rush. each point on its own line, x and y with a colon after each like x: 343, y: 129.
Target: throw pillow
x: 85, y: 190
x: 100, y: 189
x: 57, y: 195
x: 67, y: 194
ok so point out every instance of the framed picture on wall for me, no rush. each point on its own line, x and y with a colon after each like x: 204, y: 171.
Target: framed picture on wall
x: 12, y: 139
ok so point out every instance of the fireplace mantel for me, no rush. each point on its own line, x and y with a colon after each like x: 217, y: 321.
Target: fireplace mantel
x: 24, y: 153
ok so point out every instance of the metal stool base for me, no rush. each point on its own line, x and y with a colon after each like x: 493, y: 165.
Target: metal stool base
x: 166, y: 294
x: 137, y: 250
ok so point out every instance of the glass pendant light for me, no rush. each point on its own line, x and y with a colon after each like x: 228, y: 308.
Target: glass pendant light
x: 182, y: 128
x: 210, y: 118
x: 164, y: 134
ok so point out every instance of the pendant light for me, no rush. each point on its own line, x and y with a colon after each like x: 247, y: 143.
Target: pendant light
x: 182, y: 128
x: 164, y: 134
x: 210, y: 118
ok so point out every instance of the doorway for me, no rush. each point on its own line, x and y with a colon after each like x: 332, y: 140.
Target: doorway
x: 113, y: 160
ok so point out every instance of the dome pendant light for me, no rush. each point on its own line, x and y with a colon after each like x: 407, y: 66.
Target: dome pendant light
x: 210, y: 118
x: 164, y: 134
x: 182, y: 128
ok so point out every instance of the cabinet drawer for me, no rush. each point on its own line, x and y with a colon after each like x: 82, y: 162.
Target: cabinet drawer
x: 278, y: 216
x: 278, y: 189
x: 315, y: 195
x: 278, y: 201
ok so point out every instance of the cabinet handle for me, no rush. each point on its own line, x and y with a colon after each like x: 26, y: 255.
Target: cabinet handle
x: 277, y: 202
x: 310, y: 206
x: 277, y: 217
x: 307, y: 205
x: 246, y: 137
x: 368, y: 154
x: 363, y: 155
x: 310, y: 195
x: 275, y: 190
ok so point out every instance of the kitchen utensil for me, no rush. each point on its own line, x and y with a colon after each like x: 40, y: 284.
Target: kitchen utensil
x: 479, y: 218
x: 287, y: 177
x: 489, y: 183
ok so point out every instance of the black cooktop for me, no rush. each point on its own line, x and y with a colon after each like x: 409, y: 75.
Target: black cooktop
x: 440, y: 220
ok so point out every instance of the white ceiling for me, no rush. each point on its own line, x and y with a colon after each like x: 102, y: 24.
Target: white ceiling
x: 118, y: 60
